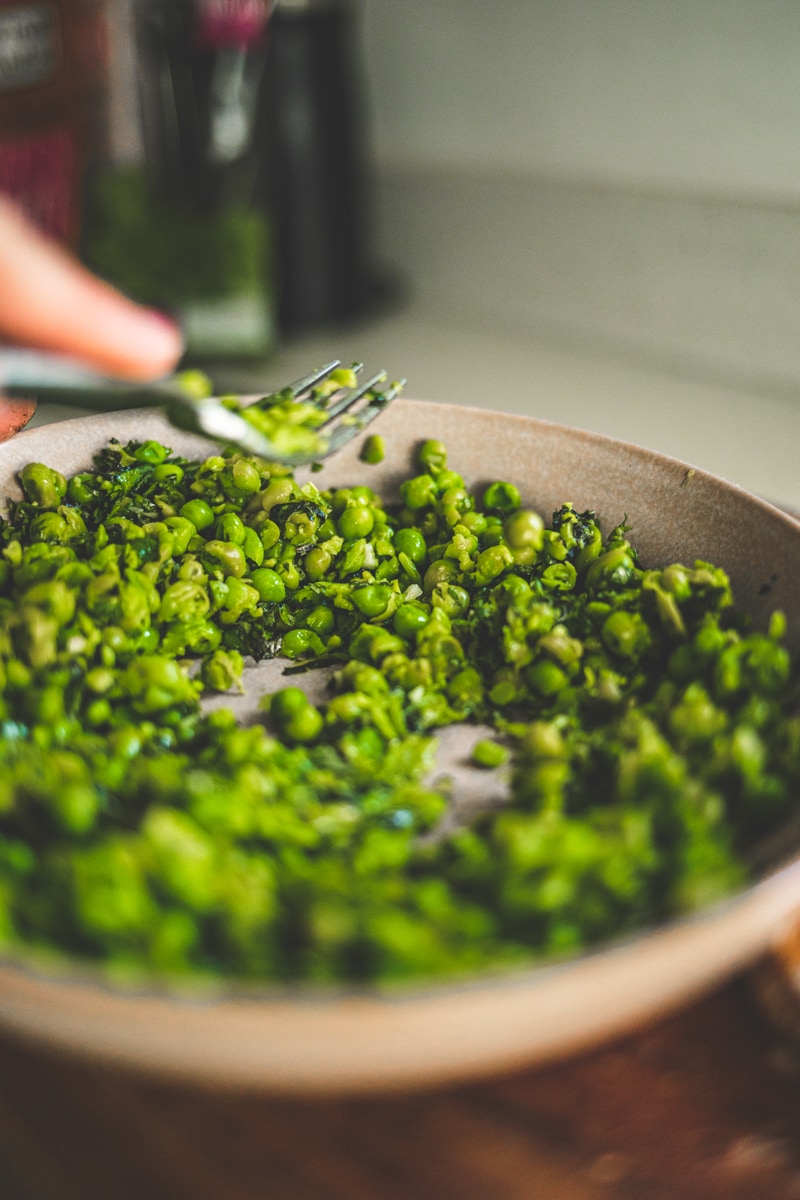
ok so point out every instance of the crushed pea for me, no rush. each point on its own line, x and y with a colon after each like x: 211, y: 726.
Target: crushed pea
x: 650, y: 735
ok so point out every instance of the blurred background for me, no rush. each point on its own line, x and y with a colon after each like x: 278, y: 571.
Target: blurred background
x: 586, y: 210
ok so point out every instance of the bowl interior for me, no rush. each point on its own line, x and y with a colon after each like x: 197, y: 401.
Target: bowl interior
x: 346, y: 1042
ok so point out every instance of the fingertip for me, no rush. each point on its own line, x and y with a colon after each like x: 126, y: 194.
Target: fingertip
x: 158, y: 344
x: 14, y: 416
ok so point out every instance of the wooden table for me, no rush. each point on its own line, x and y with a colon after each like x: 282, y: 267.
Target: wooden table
x: 705, y: 1104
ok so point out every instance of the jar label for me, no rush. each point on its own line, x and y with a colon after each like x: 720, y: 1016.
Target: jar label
x: 238, y: 23
x: 28, y: 45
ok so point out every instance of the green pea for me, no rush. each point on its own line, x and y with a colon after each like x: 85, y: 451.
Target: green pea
x: 612, y: 570
x: 433, y: 454
x: 356, y: 522
x: 151, y: 452
x: 410, y: 541
x: 543, y: 739
x: 222, y: 670
x: 168, y: 473
x: 125, y: 742
x: 410, y: 618
x: 49, y: 527
x: 240, y: 598
x: 491, y: 563
x: 98, y: 713
x: 115, y: 638
x: 18, y: 675
x: 42, y: 485
x: 465, y: 689
x: 321, y: 620
x: 289, y: 574
x: 228, y: 556
x: 474, y: 522
x: 230, y: 528
x: 198, y: 512
x: 373, y: 450
x: 546, y: 678
x: 154, y: 683
x: 184, y: 601
x: 418, y: 492
x: 100, y: 679
x: 317, y: 563
x: 203, y: 636
x: 80, y: 489
x: 304, y: 726
x: 560, y: 577
x: 340, y: 499
x: 301, y: 527
x: 302, y: 643
x: 443, y: 570
x: 360, y: 492
x: 675, y: 579
x: 372, y: 600
x: 147, y: 640
x: 488, y: 754
x: 448, y: 479
x: 524, y: 529
x: 45, y: 705
x: 192, y: 569
x: 252, y: 546
x: 182, y: 532
x: 268, y: 584
x: 450, y: 598
x: 246, y: 476
x: 514, y: 586
x: 626, y: 634
x: 284, y: 703
x: 215, y: 464
x: 501, y: 497
x: 270, y: 535
x: 277, y: 491
x: 457, y: 498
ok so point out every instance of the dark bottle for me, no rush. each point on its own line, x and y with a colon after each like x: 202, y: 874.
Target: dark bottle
x: 188, y: 232
x: 201, y: 73
x: 315, y: 163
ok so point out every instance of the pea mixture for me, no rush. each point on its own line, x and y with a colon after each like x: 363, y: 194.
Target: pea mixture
x: 644, y: 737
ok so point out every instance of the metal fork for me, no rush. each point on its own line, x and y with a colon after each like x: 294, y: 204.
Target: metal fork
x: 345, y: 411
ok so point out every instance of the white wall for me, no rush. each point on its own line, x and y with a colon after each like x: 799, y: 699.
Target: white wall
x: 687, y: 95
x: 616, y: 174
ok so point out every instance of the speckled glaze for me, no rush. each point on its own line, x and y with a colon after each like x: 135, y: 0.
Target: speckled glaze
x: 308, y: 1041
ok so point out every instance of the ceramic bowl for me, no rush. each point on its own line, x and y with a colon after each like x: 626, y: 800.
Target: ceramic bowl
x: 306, y: 1041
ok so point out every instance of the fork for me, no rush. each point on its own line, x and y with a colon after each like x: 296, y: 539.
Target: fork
x: 344, y: 411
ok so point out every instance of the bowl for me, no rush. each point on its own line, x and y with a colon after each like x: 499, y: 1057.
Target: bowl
x: 346, y: 1040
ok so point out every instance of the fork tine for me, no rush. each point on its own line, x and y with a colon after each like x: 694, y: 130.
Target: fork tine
x: 307, y: 382
x: 344, y: 433
x: 345, y: 403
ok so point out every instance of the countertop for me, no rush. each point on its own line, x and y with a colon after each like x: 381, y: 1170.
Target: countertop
x: 704, y: 1105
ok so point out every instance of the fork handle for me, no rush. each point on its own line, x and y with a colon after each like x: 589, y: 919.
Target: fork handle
x: 53, y: 377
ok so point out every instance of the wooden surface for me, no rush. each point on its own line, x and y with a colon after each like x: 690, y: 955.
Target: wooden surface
x: 703, y: 1105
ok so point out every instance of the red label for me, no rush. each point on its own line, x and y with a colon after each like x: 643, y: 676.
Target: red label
x: 39, y: 173
x: 238, y: 23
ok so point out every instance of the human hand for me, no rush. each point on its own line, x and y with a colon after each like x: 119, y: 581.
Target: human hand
x: 51, y: 302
